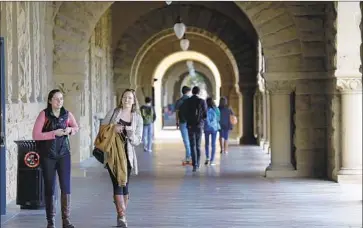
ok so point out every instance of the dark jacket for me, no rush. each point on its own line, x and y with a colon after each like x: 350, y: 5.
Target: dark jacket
x: 58, y: 147
x: 194, y: 110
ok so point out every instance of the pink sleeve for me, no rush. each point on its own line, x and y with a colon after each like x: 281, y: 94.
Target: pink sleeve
x: 38, y: 127
x: 72, y: 123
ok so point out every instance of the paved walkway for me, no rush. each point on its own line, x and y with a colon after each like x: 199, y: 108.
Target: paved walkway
x: 234, y: 193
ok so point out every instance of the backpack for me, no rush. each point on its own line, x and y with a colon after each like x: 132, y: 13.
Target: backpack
x: 147, y: 114
x: 211, y: 123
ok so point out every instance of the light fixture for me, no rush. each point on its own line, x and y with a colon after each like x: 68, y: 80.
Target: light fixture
x: 192, y: 72
x: 190, y: 64
x: 184, y: 43
x: 168, y: 2
x: 179, y: 28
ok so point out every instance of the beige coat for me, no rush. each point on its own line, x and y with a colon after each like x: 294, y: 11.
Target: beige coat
x: 134, y: 136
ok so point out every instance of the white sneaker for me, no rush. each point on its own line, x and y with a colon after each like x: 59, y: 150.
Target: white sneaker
x: 212, y: 163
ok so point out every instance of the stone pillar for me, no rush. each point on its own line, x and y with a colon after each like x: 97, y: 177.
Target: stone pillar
x: 72, y: 101
x: 349, y: 83
x: 265, y: 124
x: 248, y: 137
x: 280, y: 165
x: 235, y: 102
x: 351, y: 125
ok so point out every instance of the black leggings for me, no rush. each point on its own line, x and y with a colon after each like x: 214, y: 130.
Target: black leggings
x: 50, y: 167
x: 120, y: 190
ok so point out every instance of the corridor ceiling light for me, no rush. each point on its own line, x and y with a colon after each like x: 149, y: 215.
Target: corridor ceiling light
x: 168, y: 2
x: 192, y: 72
x: 179, y: 28
x: 184, y: 43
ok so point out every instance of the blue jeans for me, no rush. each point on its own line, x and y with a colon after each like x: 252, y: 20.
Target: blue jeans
x: 213, y: 135
x: 147, y: 137
x: 195, y: 136
x: 184, y: 133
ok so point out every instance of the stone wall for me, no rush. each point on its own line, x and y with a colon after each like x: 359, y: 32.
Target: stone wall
x: 99, y: 87
x: 27, y: 29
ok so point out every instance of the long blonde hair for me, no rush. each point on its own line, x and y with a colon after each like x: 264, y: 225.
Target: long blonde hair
x: 135, y: 107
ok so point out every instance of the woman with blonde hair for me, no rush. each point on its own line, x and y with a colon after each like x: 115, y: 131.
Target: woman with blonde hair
x: 127, y: 124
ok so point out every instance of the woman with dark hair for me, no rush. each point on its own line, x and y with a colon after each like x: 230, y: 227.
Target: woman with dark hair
x: 211, y: 127
x: 51, y: 130
x: 127, y: 122
x: 225, y: 124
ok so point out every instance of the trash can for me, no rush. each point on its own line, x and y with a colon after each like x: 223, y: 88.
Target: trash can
x: 30, y: 184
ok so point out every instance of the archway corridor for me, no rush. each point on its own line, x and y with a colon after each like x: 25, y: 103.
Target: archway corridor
x: 233, y: 193
x: 291, y: 71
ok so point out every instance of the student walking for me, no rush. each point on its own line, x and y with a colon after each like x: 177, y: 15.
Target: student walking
x: 194, y: 110
x: 211, y: 127
x: 182, y: 124
x: 149, y: 117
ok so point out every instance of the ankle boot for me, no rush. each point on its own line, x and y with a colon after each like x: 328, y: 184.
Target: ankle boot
x: 126, y: 200
x: 120, y: 209
x: 50, y: 211
x: 65, y: 205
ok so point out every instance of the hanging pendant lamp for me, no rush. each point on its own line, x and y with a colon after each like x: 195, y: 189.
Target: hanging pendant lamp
x: 190, y: 64
x: 179, y: 28
x: 184, y: 43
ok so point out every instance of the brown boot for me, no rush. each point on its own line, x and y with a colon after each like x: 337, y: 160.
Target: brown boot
x: 120, y: 209
x: 65, y: 205
x: 50, y: 211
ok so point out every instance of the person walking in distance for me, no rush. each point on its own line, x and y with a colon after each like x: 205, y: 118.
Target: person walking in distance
x: 194, y: 110
x: 51, y: 130
x: 149, y: 117
x: 182, y: 125
x: 211, y: 127
x: 225, y: 123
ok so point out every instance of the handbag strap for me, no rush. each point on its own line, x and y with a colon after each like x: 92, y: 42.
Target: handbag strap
x: 112, y: 116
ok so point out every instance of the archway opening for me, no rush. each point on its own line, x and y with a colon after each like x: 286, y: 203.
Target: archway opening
x: 166, y: 63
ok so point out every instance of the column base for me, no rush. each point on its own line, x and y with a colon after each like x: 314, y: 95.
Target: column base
x: 248, y: 140
x: 285, y: 171
x: 262, y: 143
x: 266, y: 147
x: 349, y: 176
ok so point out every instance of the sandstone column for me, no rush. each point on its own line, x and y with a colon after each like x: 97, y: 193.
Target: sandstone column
x: 72, y: 102
x: 248, y: 137
x: 349, y: 82
x: 280, y: 142
x: 265, y: 99
x: 351, y: 125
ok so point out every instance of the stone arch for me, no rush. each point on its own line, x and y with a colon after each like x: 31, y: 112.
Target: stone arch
x: 158, y: 24
x: 168, y: 33
x: 173, y: 74
x: 165, y: 64
x: 205, y: 77
x: 74, y: 22
x: 73, y: 26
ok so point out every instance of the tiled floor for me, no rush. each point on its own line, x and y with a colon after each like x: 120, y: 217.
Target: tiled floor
x: 232, y: 194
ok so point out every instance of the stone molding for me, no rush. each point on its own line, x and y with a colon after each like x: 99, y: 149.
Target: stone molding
x: 280, y: 86
x: 349, y: 85
x: 71, y: 88
x: 297, y: 75
x: 248, y: 89
x: 315, y: 86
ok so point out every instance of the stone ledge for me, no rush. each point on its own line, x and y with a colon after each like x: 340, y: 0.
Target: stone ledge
x: 281, y: 173
x: 349, y: 179
x: 349, y: 176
